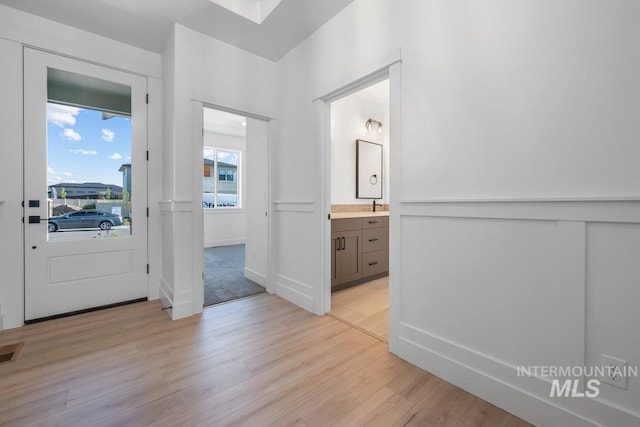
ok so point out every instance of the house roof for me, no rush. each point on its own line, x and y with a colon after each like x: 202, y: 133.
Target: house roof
x: 220, y: 164
x: 93, y: 185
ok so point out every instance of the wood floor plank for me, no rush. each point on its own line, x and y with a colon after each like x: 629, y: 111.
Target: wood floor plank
x: 365, y: 306
x: 256, y: 362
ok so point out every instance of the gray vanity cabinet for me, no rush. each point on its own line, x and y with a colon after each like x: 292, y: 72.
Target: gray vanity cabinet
x: 360, y: 250
x: 346, y: 256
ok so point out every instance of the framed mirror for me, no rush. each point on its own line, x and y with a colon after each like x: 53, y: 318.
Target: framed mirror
x: 368, y: 170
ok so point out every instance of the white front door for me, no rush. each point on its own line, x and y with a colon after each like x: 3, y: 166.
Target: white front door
x: 85, y: 136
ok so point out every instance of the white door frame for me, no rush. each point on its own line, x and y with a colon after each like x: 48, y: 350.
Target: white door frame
x: 198, y: 226
x: 388, y: 68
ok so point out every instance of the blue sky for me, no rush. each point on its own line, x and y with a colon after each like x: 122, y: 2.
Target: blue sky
x: 227, y: 156
x: 84, y: 148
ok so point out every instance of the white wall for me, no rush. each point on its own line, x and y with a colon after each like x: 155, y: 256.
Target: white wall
x: 348, y: 117
x: 518, y: 135
x: 223, y: 227
x: 204, y: 70
x: 11, y: 228
x: 17, y: 29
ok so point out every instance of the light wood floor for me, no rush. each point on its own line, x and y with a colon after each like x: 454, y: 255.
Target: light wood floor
x: 366, y: 306
x: 257, y: 362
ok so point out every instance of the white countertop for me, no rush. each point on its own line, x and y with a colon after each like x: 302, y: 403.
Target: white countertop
x: 341, y: 215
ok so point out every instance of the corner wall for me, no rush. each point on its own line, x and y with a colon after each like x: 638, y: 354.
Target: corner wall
x: 219, y: 75
x: 514, y: 193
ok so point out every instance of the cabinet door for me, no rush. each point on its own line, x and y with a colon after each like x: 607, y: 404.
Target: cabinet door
x: 335, y: 259
x: 350, y: 256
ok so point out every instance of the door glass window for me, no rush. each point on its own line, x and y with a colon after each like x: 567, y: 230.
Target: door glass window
x: 89, y: 137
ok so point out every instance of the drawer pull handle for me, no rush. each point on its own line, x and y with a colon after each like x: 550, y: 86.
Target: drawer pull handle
x: 373, y: 222
x: 373, y: 263
x: 337, y: 243
x: 344, y: 245
x: 373, y: 240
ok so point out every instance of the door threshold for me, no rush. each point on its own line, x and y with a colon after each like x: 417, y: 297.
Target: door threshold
x: 86, y: 310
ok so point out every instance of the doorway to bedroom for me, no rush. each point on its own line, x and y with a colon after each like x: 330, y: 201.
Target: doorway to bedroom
x: 234, y: 201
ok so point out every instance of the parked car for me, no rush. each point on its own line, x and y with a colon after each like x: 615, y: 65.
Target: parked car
x: 84, y: 219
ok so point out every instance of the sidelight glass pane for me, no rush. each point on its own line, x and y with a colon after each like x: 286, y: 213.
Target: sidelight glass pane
x: 89, y: 137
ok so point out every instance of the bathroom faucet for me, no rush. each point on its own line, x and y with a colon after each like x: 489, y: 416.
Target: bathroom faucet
x: 375, y: 204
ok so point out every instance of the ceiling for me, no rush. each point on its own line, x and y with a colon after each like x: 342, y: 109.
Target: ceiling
x: 225, y: 123
x: 148, y: 23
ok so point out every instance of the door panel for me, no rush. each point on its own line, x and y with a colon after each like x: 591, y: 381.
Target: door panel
x: 350, y: 262
x: 73, y: 270
x: 335, y: 259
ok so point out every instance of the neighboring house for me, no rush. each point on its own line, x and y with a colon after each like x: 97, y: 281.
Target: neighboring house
x: 87, y: 190
x: 126, y: 177
x: 227, y: 178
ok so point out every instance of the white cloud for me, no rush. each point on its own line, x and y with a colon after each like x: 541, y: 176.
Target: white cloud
x: 62, y: 115
x: 84, y: 152
x: 115, y: 156
x: 57, y: 178
x: 108, y: 135
x: 50, y: 170
x: 67, y: 174
x: 72, y: 135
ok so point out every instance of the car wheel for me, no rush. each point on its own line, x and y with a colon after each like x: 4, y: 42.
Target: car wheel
x: 105, y: 225
x: 52, y: 227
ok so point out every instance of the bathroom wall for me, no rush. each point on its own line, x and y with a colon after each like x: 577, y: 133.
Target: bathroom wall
x: 348, y: 117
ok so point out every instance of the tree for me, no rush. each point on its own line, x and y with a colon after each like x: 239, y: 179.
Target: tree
x: 107, y: 194
x: 63, y: 194
x: 126, y: 199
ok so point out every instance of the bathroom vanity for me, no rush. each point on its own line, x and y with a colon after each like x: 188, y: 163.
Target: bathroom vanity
x: 360, y: 248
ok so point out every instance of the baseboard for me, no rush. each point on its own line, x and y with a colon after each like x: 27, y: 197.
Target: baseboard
x: 256, y: 277
x: 181, y: 310
x: 497, y: 382
x: 166, y: 296
x: 295, y: 292
x: 228, y: 242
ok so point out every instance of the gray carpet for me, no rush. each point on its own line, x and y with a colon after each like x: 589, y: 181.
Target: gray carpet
x: 224, y: 275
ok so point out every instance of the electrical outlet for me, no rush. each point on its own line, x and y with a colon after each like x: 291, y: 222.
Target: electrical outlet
x: 615, y: 371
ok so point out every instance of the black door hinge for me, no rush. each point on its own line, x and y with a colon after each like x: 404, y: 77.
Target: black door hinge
x: 147, y: 98
x: 147, y: 268
x: 329, y: 217
x: 147, y: 155
x: 147, y: 211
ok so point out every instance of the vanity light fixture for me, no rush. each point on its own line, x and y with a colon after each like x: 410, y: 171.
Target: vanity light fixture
x: 370, y: 122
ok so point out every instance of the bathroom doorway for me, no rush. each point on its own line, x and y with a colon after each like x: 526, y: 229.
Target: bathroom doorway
x: 235, y: 204
x: 359, y: 172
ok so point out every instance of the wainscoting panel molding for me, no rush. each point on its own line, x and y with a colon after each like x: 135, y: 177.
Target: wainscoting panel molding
x: 529, y: 282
